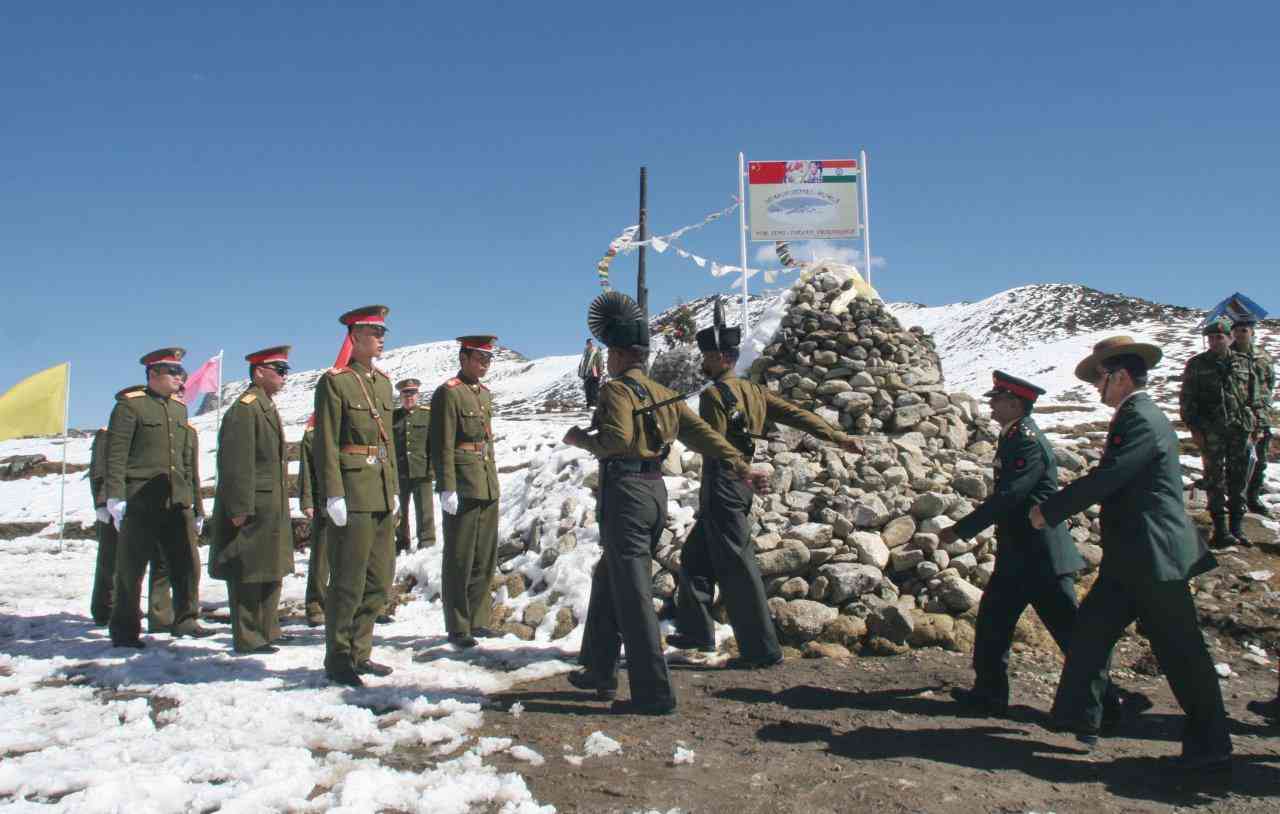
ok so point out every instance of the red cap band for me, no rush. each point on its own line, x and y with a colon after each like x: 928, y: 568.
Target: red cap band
x: 487, y: 347
x: 1017, y: 389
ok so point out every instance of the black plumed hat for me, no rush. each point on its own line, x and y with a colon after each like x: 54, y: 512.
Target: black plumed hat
x: 617, y: 321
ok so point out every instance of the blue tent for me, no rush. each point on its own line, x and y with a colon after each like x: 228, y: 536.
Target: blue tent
x: 1234, y: 307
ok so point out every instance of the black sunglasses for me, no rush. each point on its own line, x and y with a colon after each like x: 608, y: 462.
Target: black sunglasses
x: 279, y: 367
x: 172, y: 370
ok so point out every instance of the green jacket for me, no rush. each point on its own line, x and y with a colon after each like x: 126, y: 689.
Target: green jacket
x: 1146, y: 534
x: 252, y: 481
x: 413, y: 441
x: 353, y: 410
x: 462, y: 440
x: 758, y: 406
x: 1026, y: 472
x: 150, y: 444
x: 309, y: 496
x: 1217, y: 393
x: 1264, y: 377
x: 98, y: 468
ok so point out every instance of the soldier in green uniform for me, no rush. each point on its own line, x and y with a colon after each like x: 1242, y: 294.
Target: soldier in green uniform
x: 632, y: 507
x: 1150, y: 551
x: 1216, y: 403
x: 356, y: 468
x: 311, y: 502
x: 252, y: 536
x: 152, y: 487
x: 467, y: 479
x: 720, y: 549
x: 412, y: 423
x: 1264, y: 374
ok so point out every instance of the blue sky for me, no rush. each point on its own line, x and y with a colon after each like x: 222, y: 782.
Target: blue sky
x: 237, y: 176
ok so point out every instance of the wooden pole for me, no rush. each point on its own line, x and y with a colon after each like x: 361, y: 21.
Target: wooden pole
x: 642, y: 292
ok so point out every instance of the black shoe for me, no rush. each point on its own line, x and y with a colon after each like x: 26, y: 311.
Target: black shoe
x: 1267, y: 709
x: 1085, y: 735
x: 681, y: 641
x: 633, y: 707
x: 485, y: 633
x: 345, y: 676
x: 981, y: 702
x: 286, y: 639
x: 1220, y: 541
x: 740, y: 663
x: 1123, y: 706
x: 136, y: 644
x: 462, y: 640
x: 384, y: 619
x: 585, y: 680
x: 261, y: 650
x: 373, y: 668
x: 1258, y: 507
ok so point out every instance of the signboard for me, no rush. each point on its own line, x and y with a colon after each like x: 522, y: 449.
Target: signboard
x: 799, y: 200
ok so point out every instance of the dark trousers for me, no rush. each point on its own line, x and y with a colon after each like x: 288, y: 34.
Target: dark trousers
x: 317, y: 567
x: 1168, y: 618
x: 620, y: 611
x: 159, y: 592
x: 255, y: 613
x: 416, y: 491
x: 470, y: 557
x: 362, y: 564
x: 1003, y: 602
x: 150, y: 523
x: 591, y: 389
x: 720, y: 549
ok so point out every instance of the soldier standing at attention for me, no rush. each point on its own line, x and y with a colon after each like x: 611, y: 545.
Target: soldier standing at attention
x: 632, y: 507
x: 1264, y: 375
x: 720, y: 549
x: 356, y: 465
x: 589, y: 370
x: 467, y: 479
x: 151, y: 484
x: 252, y: 536
x: 1216, y: 404
x: 412, y: 423
x: 311, y: 502
x: 1150, y: 551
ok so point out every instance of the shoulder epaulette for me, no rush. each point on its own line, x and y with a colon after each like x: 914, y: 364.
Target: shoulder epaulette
x: 452, y: 383
x: 248, y: 398
x: 177, y: 398
x: 334, y: 371
x: 192, y: 427
x: 133, y: 394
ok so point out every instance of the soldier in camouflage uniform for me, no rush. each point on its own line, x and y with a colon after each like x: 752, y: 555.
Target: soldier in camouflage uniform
x: 311, y: 502
x: 412, y: 423
x: 152, y: 490
x: 1264, y: 374
x: 1216, y: 404
x: 467, y: 479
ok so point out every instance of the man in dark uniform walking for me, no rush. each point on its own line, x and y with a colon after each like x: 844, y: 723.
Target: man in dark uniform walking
x: 252, y: 545
x: 1150, y: 551
x: 356, y: 468
x: 719, y: 549
x: 634, y: 435
x: 462, y: 457
x: 311, y: 502
x: 152, y: 482
x: 412, y: 423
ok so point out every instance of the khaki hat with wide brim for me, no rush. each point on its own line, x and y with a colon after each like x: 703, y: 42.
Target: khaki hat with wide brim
x: 1112, y: 347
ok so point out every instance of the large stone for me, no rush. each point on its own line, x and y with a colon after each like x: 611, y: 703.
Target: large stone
x: 793, y: 588
x: 891, y: 622
x: 565, y: 623
x: 959, y: 595
x: 905, y: 559
x: 833, y: 386
x: 845, y: 630
x: 930, y: 504
x: 899, y: 531
x: 1257, y: 529
x: 825, y: 650
x: 813, y: 535
x: 535, y: 613
x: 869, y: 512
x: 964, y: 563
x: 1092, y: 554
x: 904, y: 418
x: 800, y: 620
x: 933, y: 630
x: 849, y: 580
x: 870, y: 549
x: 973, y: 486
x: 790, y: 558
x: 852, y: 402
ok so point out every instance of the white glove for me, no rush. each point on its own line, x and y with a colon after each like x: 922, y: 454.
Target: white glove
x: 115, y: 508
x: 104, y: 516
x: 395, y: 504
x: 199, y: 524
x: 449, y: 502
x: 336, y: 508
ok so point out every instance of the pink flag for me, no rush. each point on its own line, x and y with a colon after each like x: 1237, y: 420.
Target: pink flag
x: 204, y: 380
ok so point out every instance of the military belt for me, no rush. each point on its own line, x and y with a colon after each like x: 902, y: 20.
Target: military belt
x: 470, y: 446
x: 361, y: 449
x: 634, y: 466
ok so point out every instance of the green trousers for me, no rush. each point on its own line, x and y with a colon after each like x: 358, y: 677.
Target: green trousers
x: 255, y: 613
x: 151, y: 523
x: 1167, y: 615
x: 1226, y: 457
x: 317, y: 567
x: 470, y: 556
x: 418, y: 492
x: 362, y: 562
x: 159, y: 593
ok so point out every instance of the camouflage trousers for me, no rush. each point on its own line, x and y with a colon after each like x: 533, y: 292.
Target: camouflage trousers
x: 1226, y: 460
x: 1254, y: 486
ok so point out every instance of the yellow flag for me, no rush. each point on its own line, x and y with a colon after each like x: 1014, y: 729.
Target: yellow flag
x: 37, y: 405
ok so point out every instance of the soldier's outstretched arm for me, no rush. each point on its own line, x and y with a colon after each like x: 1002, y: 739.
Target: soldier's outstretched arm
x: 699, y: 436
x: 1017, y: 478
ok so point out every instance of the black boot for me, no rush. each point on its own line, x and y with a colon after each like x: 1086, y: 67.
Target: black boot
x: 1255, y: 504
x: 1221, y: 537
x: 1237, y: 532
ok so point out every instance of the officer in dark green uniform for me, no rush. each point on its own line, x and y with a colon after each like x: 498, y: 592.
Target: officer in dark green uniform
x: 412, y: 422
x: 1150, y: 551
x: 311, y: 502
x: 1033, y: 567
x: 467, y: 478
x: 152, y: 484
x: 632, y: 507
x: 1264, y: 379
x: 720, y: 549
x: 1216, y: 403
x: 252, y: 535
x: 356, y: 465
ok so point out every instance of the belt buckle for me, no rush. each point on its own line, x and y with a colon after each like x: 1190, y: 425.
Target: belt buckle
x: 371, y: 460
x: 382, y: 453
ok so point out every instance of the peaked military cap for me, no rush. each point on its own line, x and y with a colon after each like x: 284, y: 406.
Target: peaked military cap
x: 617, y: 321
x: 480, y: 342
x: 164, y: 356
x: 1221, y: 325
x: 1112, y: 347
x: 408, y: 385
x: 725, y: 338
x: 279, y: 353
x: 368, y: 315
x: 1002, y: 382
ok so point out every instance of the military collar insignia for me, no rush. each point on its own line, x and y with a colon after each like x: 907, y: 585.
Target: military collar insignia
x: 248, y: 398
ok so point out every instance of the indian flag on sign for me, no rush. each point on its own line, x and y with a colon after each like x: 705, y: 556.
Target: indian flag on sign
x: 840, y: 172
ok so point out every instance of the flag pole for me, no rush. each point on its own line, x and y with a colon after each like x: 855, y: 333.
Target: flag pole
x: 62, y: 482
x: 742, y: 241
x: 217, y: 419
x: 866, y: 213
